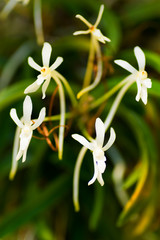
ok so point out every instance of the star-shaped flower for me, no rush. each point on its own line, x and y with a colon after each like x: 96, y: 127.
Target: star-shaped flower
x: 93, y: 28
x: 141, y: 76
x: 96, y: 146
x: 26, y: 126
x: 45, y: 71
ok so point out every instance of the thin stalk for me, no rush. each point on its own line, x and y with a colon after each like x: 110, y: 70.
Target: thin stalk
x: 62, y: 116
x: 14, y: 154
x: 57, y: 117
x: 88, y: 74
x: 99, y: 70
x: 76, y: 178
x: 106, y: 96
x: 68, y: 88
x: 116, y: 103
x: 38, y: 21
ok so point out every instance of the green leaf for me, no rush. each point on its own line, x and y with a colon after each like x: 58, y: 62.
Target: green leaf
x: 44, y: 199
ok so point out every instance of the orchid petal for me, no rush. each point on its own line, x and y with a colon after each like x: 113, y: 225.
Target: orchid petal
x: 19, y: 155
x: 82, y: 32
x: 99, y: 15
x: 101, y: 165
x: 140, y: 58
x: 24, y: 155
x: 111, y: 140
x: 139, y: 87
x: 83, y: 141
x: 56, y: 64
x: 40, y: 79
x: 100, y: 179
x: 84, y: 20
x: 24, y: 141
x: 15, y: 118
x: 27, y: 109
x: 95, y: 172
x: 100, y: 132
x: 32, y: 88
x: 144, y: 95
x: 44, y: 87
x: 33, y: 64
x: 147, y: 83
x: 46, y: 54
x: 125, y: 65
x: 40, y: 119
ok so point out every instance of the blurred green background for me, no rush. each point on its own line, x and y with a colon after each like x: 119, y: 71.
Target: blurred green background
x: 37, y: 204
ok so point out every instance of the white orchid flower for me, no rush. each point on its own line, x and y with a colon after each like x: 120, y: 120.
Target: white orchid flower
x: 45, y: 71
x: 93, y: 28
x: 26, y: 127
x: 96, y: 146
x: 141, y: 76
x: 10, y: 5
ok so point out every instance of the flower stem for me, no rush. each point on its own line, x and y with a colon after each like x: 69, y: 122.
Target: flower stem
x: 99, y: 70
x: 108, y: 94
x: 62, y: 116
x: 116, y: 103
x: 38, y: 22
x: 88, y: 74
x: 68, y: 88
x: 76, y: 178
x: 14, y: 154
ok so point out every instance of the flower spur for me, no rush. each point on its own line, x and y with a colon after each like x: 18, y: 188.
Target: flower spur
x: 141, y: 76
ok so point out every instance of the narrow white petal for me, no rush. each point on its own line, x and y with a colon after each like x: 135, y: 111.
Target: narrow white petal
x: 95, y: 172
x: 44, y: 88
x: 24, y: 155
x: 32, y: 88
x: 107, y: 39
x: 82, y: 32
x: 33, y: 64
x: 99, y: 15
x: 40, y: 119
x: 111, y: 140
x: 24, y: 141
x: 140, y: 58
x: 83, y: 141
x: 125, y: 65
x: 100, y: 132
x: 138, y: 96
x: 84, y: 20
x: 27, y: 109
x: 15, y: 118
x: 40, y: 79
x: 144, y: 95
x: 56, y: 64
x: 100, y: 179
x: 19, y: 155
x: 147, y: 83
x: 101, y: 165
x: 46, y: 54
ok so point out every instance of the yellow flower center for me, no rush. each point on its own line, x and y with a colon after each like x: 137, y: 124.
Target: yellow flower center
x: 45, y: 71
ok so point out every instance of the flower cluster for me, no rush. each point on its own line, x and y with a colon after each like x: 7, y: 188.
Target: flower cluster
x: 26, y: 126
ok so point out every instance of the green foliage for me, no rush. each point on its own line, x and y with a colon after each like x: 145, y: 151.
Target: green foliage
x: 39, y: 200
